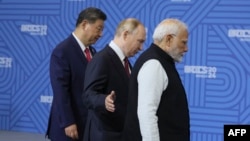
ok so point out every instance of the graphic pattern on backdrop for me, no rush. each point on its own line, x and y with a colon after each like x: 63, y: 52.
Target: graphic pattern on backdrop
x: 215, y: 70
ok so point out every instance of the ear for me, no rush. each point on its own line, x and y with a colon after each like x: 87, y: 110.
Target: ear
x: 125, y: 35
x: 84, y: 24
x: 168, y: 39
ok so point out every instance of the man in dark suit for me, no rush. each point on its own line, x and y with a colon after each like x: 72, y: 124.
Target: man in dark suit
x: 106, y: 84
x: 67, y: 67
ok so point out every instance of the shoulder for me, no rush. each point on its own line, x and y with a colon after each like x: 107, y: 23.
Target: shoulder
x: 65, y: 46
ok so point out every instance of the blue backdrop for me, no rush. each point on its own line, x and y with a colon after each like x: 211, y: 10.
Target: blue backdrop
x: 215, y: 71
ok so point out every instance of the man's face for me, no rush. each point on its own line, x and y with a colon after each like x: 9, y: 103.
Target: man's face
x: 135, y: 41
x: 179, y: 45
x: 93, y: 31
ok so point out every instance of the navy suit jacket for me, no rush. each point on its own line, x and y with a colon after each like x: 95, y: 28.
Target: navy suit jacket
x: 67, y: 69
x: 105, y: 73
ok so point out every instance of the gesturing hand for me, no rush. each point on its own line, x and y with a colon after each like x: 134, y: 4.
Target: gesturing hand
x: 109, y: 102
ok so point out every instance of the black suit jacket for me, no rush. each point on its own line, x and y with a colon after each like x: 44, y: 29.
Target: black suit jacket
x: 105, y: 73
x: 67, y: 69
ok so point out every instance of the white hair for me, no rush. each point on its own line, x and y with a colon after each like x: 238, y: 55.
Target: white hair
x: 168, y: 27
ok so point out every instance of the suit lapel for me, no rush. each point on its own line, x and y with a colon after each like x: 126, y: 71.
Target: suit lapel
x: 78, y: 49
x: 117, y: 62
x: 92, y: 50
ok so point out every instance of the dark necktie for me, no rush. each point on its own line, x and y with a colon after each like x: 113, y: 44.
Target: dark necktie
x: 87, y: 53
x: 126, y: 65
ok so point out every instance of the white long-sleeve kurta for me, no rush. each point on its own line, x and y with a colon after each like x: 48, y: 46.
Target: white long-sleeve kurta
x: 152, y: 81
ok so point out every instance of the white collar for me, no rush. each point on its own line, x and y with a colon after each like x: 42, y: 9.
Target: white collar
x: 79, y: 42
x: 117, y: 50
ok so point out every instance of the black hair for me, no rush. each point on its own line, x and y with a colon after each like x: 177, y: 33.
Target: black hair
x: 91, y: 14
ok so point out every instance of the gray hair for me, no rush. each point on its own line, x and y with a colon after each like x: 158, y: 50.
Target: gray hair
x: 168, y: 27
x: 129, y: 25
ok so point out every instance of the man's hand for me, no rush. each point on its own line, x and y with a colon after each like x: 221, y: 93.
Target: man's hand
x: 109, y: 102
x: 71, y: 131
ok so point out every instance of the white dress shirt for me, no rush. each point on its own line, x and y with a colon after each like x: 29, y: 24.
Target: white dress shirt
x: 83, y: 47
x: 152, y: 81
x: 118, y: 51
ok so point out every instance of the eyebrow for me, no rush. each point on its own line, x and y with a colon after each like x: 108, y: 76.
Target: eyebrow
x: 141, y: 40
x: 185, y: 41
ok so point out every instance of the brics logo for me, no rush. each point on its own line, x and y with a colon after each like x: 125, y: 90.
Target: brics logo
x: 34, y: 29
x: 242, y: 34
x: 236, y: 132
x: 201, y: 71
